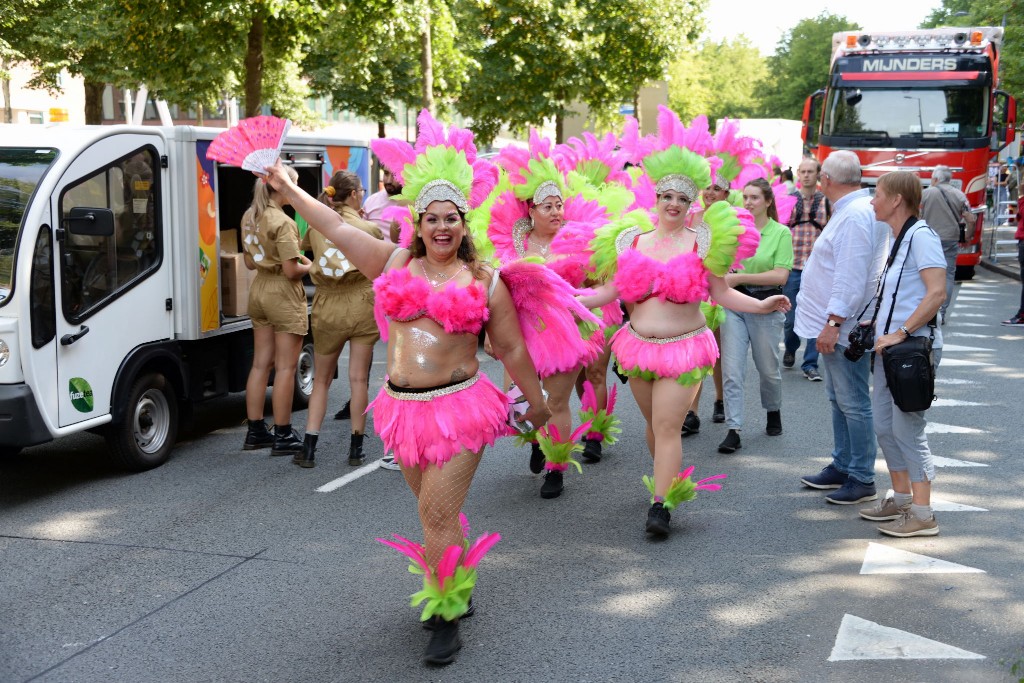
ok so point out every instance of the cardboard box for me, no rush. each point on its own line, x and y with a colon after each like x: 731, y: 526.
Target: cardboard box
x: 229, y: 241
x: 235, y: 280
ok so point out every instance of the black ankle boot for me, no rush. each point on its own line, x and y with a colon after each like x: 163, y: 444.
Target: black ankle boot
x: 536, y: 459
x: 257, y: 436
x: 591, y: 450
x: 444, y: 643
x: 552, y: 487
x: 432, y: 623
x: 355, y: 450
x: 286, y: 441
x: 657, y: 520
x: 305, y: 458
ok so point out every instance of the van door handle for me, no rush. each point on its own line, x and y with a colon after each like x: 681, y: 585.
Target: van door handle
x: 69, y: 339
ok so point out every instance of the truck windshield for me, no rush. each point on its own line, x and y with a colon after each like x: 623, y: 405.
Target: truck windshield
x: 916, y: 113
x: 20, y: 171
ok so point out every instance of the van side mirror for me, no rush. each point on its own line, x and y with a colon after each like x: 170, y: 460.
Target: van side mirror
x: 90, y: 222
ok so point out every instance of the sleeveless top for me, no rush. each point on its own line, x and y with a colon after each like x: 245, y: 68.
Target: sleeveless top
x: 402, y: 297
x: 682, y: 279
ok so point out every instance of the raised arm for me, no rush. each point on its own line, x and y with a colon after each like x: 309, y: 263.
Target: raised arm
x: 367, y: 254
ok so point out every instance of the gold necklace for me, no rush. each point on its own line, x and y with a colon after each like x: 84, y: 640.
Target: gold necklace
x: 442, y: 277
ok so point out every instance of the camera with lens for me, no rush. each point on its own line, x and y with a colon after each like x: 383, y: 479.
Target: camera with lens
x: 862, y: 338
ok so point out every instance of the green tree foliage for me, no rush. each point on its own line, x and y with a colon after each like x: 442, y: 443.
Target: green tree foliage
x: 991, y: 13
x: 718, y: 79
x: 800, y: 65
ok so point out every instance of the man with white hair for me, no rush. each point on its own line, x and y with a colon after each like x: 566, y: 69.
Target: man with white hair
x: 944, y: 208
x: 839, y: 281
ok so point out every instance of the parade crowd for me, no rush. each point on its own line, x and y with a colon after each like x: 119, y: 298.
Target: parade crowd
x: 667, y: 257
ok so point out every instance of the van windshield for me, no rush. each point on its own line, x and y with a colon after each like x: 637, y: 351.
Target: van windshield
x: 21, y: 169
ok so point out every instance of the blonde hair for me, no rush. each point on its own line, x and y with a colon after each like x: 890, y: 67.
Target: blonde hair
x: 261, y: 191
x: 902, y: 184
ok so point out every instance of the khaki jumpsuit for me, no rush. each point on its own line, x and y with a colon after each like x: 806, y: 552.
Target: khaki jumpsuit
x: 274, y: 300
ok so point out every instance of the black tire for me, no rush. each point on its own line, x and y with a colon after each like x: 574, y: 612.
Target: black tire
x: 9, y: 452
x: 303, y: 377
x: 964, y: 273
x: 145, y: 434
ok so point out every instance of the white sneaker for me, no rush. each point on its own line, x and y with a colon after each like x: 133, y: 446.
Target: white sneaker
x: 388, y: 463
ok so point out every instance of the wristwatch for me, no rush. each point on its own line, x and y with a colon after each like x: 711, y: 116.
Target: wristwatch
x: 833, y: 323
x: 904, y: 330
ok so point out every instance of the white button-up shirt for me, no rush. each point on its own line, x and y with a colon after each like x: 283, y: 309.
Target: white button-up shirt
x: 842, y: 272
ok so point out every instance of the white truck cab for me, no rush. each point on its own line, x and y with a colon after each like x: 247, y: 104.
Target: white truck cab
x: 111, y: 290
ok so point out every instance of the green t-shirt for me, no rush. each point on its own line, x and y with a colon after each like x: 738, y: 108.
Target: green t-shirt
x: 775, y: 250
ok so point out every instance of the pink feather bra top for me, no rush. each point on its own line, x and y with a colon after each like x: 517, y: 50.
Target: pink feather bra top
x: 402, y: 297
x: 682, y: 279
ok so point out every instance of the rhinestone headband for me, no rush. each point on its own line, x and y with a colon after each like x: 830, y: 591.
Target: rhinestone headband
x: 441, y: 190
x: 547, y: 189
x: 679, y: 183
x: 722, y: 183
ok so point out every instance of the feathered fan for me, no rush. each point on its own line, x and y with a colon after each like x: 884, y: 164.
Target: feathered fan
x: 253, y: 144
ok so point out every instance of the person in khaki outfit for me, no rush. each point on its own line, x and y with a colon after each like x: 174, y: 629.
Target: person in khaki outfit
x: 277, y: 306
x: 342, y: 312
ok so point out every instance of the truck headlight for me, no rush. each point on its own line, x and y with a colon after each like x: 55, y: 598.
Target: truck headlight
x: 5, y: 353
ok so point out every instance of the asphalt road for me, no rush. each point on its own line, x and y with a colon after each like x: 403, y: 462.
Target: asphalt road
x: 224, y: 565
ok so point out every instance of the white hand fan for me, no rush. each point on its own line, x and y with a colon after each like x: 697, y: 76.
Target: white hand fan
x: 253, y: 144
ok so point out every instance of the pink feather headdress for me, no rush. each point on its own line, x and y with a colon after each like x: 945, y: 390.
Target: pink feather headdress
x: 741, y: 156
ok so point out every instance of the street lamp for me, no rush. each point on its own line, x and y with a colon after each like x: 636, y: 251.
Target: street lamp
x: 920, y: 119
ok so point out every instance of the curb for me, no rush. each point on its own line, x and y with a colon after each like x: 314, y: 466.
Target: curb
x: 1002, y: 270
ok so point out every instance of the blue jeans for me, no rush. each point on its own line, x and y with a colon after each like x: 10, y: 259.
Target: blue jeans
x: 950, y: 251
x: 790, y: 289
x: 853, y: 429
x: 761, y: 333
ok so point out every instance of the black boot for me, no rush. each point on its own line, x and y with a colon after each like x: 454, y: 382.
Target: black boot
x: 355, y: 450
x: 432, y: 623
x: 691, y: 423
x: 305, y: 458
x: 552, y: 487
x: 591, y: 450
x: 345, y: 413
x: 719, y: 413
x: 286, y: 441
x: 536, y: 459
x: 657, y: 520
x: 257, y: 436
x: 774, y: 425
x: 444, y: 643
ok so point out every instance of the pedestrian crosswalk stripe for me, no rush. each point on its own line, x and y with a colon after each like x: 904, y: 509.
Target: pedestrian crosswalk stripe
x: 940, y: 461
x: 974, y: 298
x: 967, y: 334
x: 949, y: 403
x: 949, y: 506
x: 950, y: 380
x: 965, y: 324
x: 862, y: 639
x: 350, y: 477
x: 883, y: 559
x: 954, y: 347
x: 973, y: 315
x: 939, y: 428
x: 960, y: 363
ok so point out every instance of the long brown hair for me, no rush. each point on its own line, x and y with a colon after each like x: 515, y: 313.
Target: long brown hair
x: 768, y: 194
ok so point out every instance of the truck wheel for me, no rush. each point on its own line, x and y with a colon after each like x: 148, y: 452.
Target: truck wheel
x: 144, y: 436
x: 8, y: 452
x: 304, y: 376
x: 964, y: 273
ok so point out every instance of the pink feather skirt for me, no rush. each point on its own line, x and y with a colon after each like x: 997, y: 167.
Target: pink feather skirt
x: 687, y: 358
x: 431, y: 427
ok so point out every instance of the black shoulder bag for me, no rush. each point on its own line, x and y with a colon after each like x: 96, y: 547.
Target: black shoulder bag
x: 956, y: 215
x: 908, y: 368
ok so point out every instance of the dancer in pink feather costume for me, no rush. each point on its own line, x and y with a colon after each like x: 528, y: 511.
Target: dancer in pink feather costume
x: 665, y: 272
x: 436, y: 411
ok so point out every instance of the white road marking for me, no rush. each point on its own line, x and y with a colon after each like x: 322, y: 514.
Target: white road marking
x: 960, y: 363
x: 965, y: 334
x: 939, y: 428
x: 973, y: 315
x: 954, y: 347
x: 862, y: 639
x: 950, y: 403
x: 949, y: 380
x: 975, y: 324
x: 940, y: 461
x: 949, y: 506
x: 882, y: 559
x: 350, y: 477
x: 975, y: 298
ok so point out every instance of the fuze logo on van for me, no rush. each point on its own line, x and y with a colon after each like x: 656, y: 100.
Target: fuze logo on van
x: 81, y: 394
x: 910, y: 64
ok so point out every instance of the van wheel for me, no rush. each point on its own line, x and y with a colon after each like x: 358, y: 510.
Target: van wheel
x: 144, y: 435
x: 964, y: 273
x: 7, y: 452
x: 304, y: 377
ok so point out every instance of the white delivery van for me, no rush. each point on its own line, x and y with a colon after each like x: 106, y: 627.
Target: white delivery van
x: 122, y: 295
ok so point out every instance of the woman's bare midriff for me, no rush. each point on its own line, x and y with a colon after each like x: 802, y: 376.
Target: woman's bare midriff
x: 663, y: 319
x: 422, y: 355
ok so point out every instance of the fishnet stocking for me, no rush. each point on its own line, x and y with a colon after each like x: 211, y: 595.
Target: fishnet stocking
x: 441, y: 492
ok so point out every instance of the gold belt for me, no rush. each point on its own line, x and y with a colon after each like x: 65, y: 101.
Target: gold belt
x: 431, y: 394
x: 667, y: 340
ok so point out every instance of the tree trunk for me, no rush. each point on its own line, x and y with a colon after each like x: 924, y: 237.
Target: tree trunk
x: 427, y: 62
x: 199, y: 115
x: 254, y: 68
x: 94, y: 102
x: 8, y: 108
x: 636, y: 109
x: 559, y: 128
x: 380, y: 130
